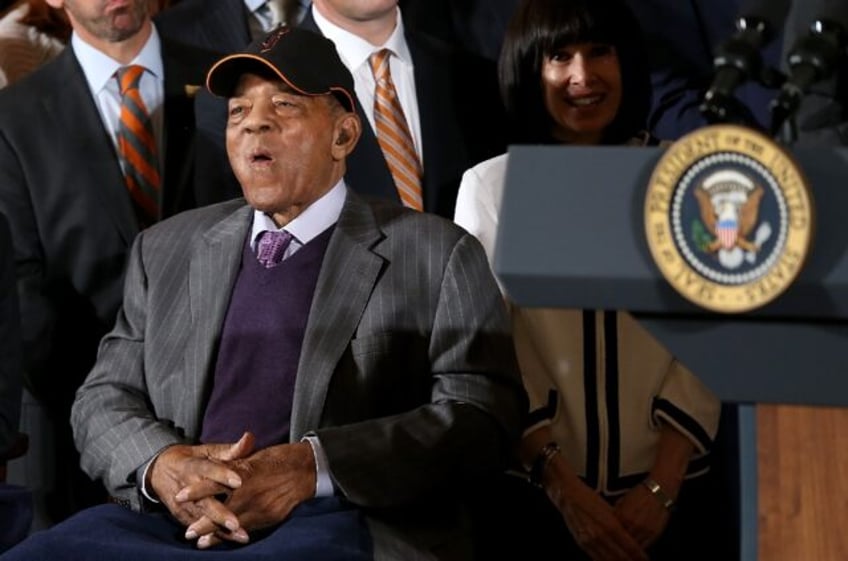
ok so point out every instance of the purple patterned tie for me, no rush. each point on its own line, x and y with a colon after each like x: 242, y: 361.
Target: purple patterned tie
x: 271, y: 247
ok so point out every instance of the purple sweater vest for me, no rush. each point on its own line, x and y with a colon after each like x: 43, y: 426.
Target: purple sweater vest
x: 260, y: 347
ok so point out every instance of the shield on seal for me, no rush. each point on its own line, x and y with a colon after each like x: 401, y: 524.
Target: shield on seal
x: 726, y: 231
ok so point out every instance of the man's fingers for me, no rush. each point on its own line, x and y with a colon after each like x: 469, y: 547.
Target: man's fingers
x: 236, y: 451
x: 214, y: 516
x: 202, y: 489
x: 215, y: 535
x: 209, y: 540
x: 217, y: 473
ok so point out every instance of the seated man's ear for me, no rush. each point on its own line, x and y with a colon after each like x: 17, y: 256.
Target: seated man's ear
x: 347, y: 131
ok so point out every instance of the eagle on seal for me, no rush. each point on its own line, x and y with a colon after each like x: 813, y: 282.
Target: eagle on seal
x: 729, y: 204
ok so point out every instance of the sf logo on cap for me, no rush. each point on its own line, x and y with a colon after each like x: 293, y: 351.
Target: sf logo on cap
x: 273, y: 38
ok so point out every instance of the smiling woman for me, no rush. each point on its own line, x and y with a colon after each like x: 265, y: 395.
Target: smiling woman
x: 574, y: 55
x: 616, y: 423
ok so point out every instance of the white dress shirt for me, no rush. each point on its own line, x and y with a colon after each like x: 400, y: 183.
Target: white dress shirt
x: 99, y: 70
x: 354, y: 52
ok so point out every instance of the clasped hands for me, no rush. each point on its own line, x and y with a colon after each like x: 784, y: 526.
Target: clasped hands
x: 224, y: 491
x: 620, y: 532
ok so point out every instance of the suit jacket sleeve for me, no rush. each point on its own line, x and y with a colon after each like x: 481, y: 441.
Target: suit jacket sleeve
x: 37, y: 311
x: 476, y: 402
x: 10, y: 352
x: 114, y: 426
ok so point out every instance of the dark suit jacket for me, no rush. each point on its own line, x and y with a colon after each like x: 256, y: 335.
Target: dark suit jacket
x: 461, y: 124
x: 477, y: 26
x: 219, y: 26
x: 10, y: 343
x: 413, y: 394
x: 72, y: 220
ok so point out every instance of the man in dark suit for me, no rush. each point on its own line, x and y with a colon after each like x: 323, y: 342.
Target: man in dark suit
x: 451, y: 102
x: 318, y: 375
x: 63, y: 189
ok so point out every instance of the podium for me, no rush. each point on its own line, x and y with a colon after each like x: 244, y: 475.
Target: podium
x: 571, y: 235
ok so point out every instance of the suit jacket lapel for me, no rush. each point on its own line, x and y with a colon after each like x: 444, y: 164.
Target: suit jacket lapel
x: 232, y: 21
x: 348, y: 273
x: 441, y: 136
x: 178, y: 143
x: 213, y: 269
x: 90, y: 144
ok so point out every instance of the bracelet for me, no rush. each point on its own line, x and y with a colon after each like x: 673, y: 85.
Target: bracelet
x: 658, y: 492
x: 543, y: 458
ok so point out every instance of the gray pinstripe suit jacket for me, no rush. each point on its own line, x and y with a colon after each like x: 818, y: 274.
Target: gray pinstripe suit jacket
x: 407, y: 373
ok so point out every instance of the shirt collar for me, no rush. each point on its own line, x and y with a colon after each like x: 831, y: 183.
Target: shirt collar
x: 99, y: 68
x: 253, y: 5
x: 315, y: 219
x: 354, y: 50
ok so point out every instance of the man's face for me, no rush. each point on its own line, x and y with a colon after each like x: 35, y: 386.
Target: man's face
x: 286, y: 149
x: 111, y: 21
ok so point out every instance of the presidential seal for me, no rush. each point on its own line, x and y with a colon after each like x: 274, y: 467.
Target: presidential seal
x: 728, y: 218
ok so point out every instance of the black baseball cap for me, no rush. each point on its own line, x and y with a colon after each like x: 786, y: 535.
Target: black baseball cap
x: 306, y: 61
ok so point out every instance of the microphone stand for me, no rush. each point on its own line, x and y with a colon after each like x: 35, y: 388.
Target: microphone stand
x: 737, y: 61
x: 814, y: 57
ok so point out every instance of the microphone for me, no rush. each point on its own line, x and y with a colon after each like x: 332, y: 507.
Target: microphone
x: 814, y: 57
x: 738, y: 59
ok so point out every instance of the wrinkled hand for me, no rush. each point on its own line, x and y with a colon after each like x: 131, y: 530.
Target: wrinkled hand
x: 595, y: 527
x: 203, y: 466
x: 642, y: 515
x: 274, y: 481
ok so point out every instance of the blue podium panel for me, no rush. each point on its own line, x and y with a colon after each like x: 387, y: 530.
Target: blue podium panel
x: 571, y: 234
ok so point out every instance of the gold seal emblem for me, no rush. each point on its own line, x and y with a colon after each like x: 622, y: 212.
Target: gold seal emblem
x: 728, y: 218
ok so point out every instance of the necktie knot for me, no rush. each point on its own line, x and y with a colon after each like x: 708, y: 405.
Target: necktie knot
x: 129, y: 77
x: 379, y: 62
x: 271, y: 246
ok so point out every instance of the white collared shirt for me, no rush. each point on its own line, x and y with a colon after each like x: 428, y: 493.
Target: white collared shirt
x: 99, y: 70
x: 354, y: 52
x: 309, y: 224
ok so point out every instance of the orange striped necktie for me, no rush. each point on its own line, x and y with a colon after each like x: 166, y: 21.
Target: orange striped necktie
x: 137, y: 146
x: 393, y: 133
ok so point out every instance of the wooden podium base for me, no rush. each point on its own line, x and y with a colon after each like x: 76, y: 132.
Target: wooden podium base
x: 802, y: 459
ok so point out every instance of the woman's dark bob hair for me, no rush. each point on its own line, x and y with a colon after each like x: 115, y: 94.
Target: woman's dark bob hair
x: 539, y: 28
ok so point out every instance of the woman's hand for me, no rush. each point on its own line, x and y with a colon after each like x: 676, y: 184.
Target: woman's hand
x: 591, y: 520
x: 642, y: 515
